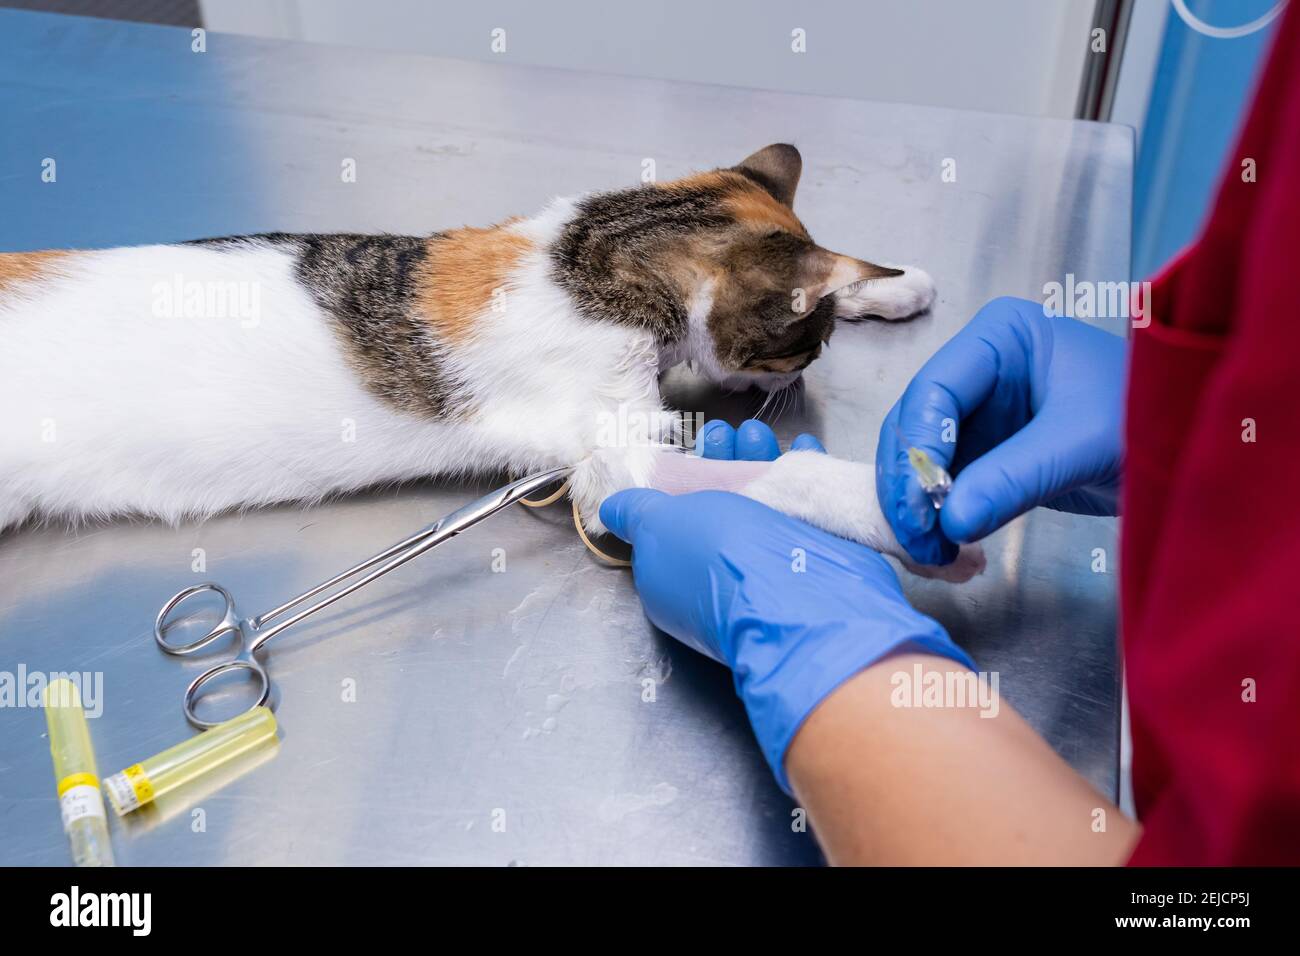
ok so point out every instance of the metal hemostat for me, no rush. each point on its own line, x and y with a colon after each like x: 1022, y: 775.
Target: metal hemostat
x: 252, y: 632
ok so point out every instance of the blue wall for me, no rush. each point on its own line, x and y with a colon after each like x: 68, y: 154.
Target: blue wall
x: 1201, y: 89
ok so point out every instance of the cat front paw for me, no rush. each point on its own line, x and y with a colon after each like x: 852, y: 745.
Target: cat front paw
x: 605, y: 471
x: 840, y: 497
x: 891, y: 299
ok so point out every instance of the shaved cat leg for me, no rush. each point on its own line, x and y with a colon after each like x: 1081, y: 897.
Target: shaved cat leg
x: 832, y: 494
x: 897, y: 297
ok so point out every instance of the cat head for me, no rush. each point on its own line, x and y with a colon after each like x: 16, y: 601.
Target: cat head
x: 717, y: 265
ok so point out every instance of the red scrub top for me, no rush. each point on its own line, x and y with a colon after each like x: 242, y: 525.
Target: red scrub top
x: 1210, y: 584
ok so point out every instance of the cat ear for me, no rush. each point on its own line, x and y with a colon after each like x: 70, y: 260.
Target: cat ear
x: 776, y: 168
x: 829, y: 272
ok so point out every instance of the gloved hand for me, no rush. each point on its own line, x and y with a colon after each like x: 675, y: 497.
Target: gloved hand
x: 752, y: 441
x: 792, y: 610
x: 1023, y: 409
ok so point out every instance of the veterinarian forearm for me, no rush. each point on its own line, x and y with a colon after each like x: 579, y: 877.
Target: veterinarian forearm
x: 792, y: 610
x: 885, y: 783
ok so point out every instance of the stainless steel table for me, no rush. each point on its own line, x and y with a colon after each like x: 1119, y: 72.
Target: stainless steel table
x: 507, y: 717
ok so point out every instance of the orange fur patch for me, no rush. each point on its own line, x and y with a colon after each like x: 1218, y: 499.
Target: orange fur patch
x: 463, y: 270
x: 750, y: 203
x: 756, y: 207
x: 22, y: 267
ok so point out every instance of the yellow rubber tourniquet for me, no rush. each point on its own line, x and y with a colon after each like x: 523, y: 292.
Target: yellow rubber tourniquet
x: 577, y: 523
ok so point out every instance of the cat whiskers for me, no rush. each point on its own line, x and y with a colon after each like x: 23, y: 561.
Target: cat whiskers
x: 780, y: 400
x: 789, y: 398
x: 767, y: 400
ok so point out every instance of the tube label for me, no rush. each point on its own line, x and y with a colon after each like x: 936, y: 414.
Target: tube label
x: 79, y: 797
x: 129, y: 790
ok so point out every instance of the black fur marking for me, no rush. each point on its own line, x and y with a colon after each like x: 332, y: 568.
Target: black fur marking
x: 802, y: 337
x: 368, y: 285
x: 609, y: 258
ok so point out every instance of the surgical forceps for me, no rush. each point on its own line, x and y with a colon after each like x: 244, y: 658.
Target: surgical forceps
x: 252, y: 632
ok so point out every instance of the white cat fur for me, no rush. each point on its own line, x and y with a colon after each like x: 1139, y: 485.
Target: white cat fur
x: 112, y: 408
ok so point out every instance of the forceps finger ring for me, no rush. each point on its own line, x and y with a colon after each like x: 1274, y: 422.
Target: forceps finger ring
x: 229, y: 621
x: 244, y: 662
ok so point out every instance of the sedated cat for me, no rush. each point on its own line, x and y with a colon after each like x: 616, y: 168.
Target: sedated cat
x: 179, y: 381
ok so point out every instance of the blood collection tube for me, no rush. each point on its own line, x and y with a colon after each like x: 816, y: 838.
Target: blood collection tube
x: 149, y: 779
x: 80, y: 801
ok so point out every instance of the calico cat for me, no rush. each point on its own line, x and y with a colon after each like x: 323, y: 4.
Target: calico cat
x: 178, y: 381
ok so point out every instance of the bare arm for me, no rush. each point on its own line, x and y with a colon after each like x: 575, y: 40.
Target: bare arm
x: 894, y: 785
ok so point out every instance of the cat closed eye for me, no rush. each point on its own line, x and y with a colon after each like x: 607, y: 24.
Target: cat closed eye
x: 783, y: 364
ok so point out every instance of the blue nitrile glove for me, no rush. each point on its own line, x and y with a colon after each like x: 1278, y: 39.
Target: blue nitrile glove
x: 1023, y: 409
x: 752, y: 441
x: 793, y: 610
